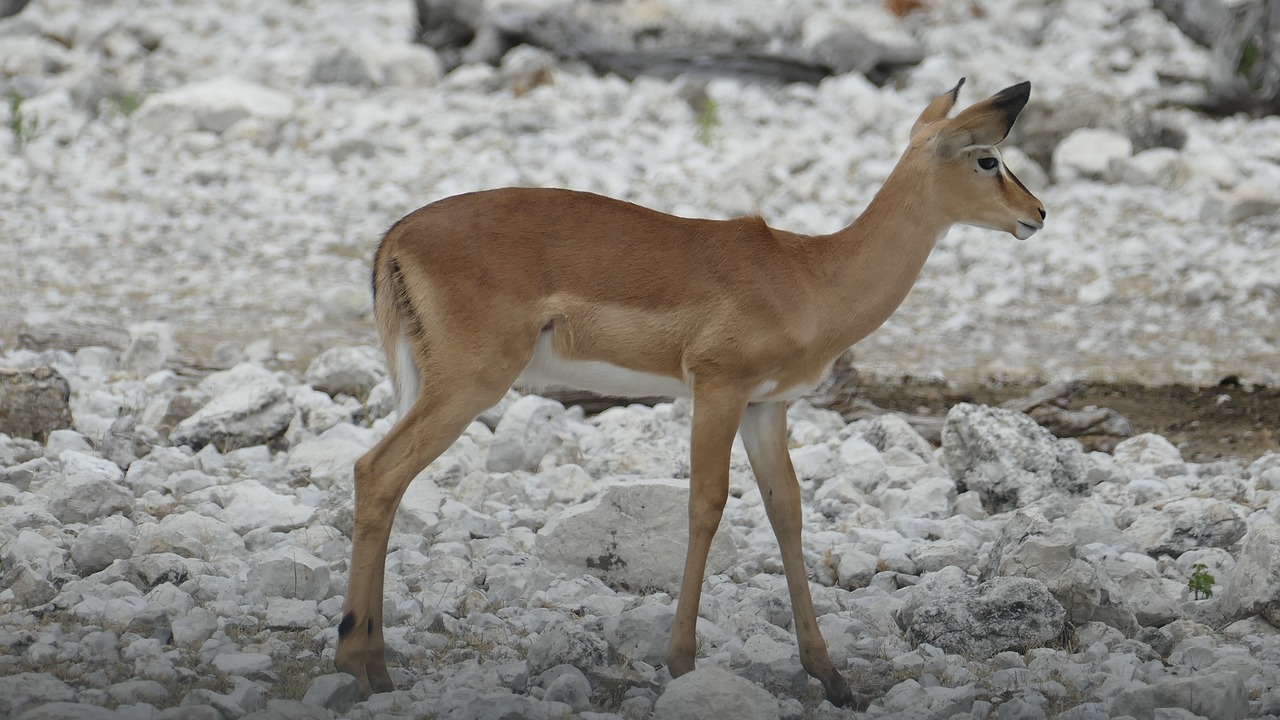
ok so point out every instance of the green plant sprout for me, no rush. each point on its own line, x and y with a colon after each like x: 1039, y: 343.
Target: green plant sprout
x: 708, y: 120
x: 1201, y: 582
x: 22, y: 124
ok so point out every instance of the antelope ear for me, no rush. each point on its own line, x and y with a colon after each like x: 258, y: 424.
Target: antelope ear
x: 938, y: 108
x: 986, y: 123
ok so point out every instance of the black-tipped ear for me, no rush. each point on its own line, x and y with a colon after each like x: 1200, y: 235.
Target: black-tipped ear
x: 938, y: 108
x: 1011, y: 100
x: 986, y: 123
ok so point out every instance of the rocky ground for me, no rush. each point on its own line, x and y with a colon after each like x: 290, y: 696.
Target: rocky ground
x: 190, y: 561
x: 189, y: 197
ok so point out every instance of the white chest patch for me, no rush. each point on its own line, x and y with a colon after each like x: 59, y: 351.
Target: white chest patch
x: 548, y: 370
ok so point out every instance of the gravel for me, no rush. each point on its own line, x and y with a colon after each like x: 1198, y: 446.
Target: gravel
x: 213, y: 577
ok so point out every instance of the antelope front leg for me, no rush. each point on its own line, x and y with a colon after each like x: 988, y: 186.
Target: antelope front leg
x: 715, y: 418
x: 764, y: 433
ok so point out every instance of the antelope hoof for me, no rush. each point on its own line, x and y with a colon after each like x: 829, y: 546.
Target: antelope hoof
x: 837, y: 689
x: 379, y: 677
x: 679, y: 663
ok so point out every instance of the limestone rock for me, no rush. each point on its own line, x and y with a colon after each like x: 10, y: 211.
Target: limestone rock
x: 526, y: 433
x: 33, y: 403
x: 89, y: 488
x: 350, y: 371
x: 1007, y: 457
x: 1088, y: 153
x: 1030, y: 546
x: 713, y: 691
x: 1253, y: 586
x: 1004, y: 613
x: 211, y: 106
x: 252, y: 414
x: 633, y: 535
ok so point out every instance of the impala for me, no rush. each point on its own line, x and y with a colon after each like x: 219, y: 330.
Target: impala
x: 477, y: 292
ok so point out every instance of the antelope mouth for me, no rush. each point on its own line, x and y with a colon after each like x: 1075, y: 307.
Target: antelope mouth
x: 1025, y: 229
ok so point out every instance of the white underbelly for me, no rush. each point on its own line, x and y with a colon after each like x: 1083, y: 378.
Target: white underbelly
x: 548, y: 370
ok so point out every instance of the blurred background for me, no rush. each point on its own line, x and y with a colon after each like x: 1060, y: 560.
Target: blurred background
x: 216, y: 175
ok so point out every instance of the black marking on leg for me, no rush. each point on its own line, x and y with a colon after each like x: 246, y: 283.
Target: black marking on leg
x: 348, y: 622
x: 371, y: 627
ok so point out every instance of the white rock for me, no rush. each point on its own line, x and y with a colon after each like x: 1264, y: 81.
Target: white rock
x: 1248, y: 200
x: 568, y: 483
x: 289, y: 613
x: 1087, y: 153
x: 566, y: 684
x: 31, y: 548
x: 1148, y: 596
x: 1008, y: 458
x: 1253, y: 586
x: 1176, y: 526
x: 1160, y: 166
x: 348, y: 370
x: 1004, y: 613
x: 527, y: 432
x: 152, y: 471
x: 944, y: 553
x: 420, y: 508
x: 242, y: 664
x: 210, y: 106
x: 405, y: 65
x: 566, y: 642
x: 891, y: 430
x: 343, y: 65
x: 69, y: 711
x: 150, y: 345
x: 866, y: 466
x: 641, y: 633
x: 132, y: 692
x: 248, y: 505
x: 713, y: 691
x: 1216, y: 695
x: 89, y: 488
x: 195, y: 627
x: 633, y: 535
x: 102, y: 543
x: 252, y: 414
x: 328, y: 463
x: 61, y: 441
x: 22, y: 691
x: 290, y: 572
x: 334, y: 691
x: 468, y: 703
x: 1030, y: 546
x: 855, y: 568
x: 318, y: 410
x: 188, y: 534
x: 815, y: 462
x: 1147, y: 449
x: 1202, y: 287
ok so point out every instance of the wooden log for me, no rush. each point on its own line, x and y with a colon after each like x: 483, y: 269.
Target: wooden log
x: 460, y: 33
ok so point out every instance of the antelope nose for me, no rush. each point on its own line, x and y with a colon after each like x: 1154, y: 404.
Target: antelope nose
x: 1042, y: 213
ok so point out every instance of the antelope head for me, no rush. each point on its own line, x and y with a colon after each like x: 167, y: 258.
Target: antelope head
x: 961, y: 166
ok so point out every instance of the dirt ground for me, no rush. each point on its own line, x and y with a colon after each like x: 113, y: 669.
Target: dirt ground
x: 1206, y: 423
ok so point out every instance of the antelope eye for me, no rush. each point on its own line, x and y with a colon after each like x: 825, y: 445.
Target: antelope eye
x: 988, y: 163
